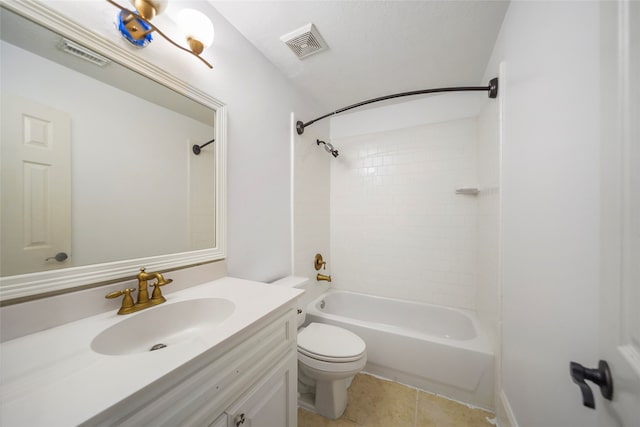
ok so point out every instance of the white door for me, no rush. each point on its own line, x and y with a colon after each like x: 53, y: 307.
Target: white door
x: 36, y: 187
x: 620, y: 279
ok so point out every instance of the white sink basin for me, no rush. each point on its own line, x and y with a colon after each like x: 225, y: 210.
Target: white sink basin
x: 168, y: 324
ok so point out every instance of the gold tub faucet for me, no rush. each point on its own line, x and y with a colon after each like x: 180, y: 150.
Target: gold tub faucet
x: 322, y: 277
x: 319, y: 263
x: 143, y: 300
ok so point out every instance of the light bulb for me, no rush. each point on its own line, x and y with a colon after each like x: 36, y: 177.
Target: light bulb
x: 149, y: 9
x: 197, y: 28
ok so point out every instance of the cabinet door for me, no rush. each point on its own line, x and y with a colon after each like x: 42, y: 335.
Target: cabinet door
x: 271, y: 402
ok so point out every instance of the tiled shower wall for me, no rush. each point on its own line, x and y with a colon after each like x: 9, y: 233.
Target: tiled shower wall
x: 397, y: 227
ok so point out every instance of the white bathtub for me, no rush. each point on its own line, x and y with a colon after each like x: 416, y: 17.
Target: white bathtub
x: 434, y: 348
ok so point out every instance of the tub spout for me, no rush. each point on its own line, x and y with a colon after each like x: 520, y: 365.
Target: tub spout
x: 322, y: 277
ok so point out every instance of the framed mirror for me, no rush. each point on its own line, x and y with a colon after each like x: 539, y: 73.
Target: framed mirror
x: 98, y: 173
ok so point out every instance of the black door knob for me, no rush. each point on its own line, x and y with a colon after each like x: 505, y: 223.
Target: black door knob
x: 60, y: 256
x: 600, y: 376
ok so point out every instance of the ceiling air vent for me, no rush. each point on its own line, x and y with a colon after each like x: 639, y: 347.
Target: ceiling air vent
x: 83, y: 52
x: 305, y: 41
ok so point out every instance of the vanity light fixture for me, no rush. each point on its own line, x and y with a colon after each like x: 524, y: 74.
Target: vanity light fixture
x: 136, y: 28
x: 197, y: 28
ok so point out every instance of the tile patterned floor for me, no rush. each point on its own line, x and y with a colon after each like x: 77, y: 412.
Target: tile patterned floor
x: 374, y: 402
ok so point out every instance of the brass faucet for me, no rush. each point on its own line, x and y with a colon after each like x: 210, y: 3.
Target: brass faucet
x: 319, y: 263
x: 322, y: 277
x: 143, y: 300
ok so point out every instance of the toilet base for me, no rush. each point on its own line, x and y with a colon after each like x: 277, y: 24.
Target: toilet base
x: 331, y: 398
x: 326, y: 398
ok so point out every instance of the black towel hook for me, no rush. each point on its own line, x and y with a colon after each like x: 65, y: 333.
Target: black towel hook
x: 196, y: 148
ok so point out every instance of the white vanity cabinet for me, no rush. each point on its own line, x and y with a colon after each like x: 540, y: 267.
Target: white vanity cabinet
x: 267, y: 404
x: 250, y: 381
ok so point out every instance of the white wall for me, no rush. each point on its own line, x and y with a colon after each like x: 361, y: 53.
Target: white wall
x: 397, y: 227
x: 550, y: 206
x: 488, y: 218
x: 259, y: 101
x: 310, y: 182
x: 488, y: 229
x: 202, y: 206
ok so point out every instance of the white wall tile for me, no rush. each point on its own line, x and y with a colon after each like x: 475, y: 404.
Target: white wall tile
x: 397, y: 227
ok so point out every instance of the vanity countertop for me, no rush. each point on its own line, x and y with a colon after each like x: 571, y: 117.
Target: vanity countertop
x: 53, y: 377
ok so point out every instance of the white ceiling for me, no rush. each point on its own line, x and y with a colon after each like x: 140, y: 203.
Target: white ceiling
x: 376, y: 48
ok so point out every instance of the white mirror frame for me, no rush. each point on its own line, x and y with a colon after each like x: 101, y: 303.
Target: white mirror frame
x: 52, y: 282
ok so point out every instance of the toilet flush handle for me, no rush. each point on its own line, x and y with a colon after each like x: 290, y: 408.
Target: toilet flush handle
x: 239, y: 420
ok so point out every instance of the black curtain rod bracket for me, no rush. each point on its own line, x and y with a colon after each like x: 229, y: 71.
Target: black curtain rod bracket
x: 492, y: 90
x: 197, y: 148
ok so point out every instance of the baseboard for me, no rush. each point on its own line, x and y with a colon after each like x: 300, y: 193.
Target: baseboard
x: 504, y: 413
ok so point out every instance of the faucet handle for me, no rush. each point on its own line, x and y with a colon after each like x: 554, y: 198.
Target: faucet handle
x: 127, y: 301
x: 116, y: 294
x: 161, y: 281
x: 156, y: 296
x: 319, y: 263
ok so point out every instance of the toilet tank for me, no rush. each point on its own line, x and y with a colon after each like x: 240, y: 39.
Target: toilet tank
x: 299, y: 283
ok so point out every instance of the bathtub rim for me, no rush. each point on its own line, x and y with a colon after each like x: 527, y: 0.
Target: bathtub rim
x: 479, y: 343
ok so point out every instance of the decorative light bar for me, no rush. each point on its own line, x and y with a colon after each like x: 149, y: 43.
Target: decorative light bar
x: 136, y: 28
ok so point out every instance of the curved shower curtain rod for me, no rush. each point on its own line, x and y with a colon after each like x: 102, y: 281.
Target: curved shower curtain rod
x: 492, y: 88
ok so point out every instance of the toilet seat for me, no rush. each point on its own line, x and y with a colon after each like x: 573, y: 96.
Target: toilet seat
x: 331, y: 370
x: 330, y: 343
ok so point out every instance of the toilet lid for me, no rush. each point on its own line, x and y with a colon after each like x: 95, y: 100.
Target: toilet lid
x: 322, y: 341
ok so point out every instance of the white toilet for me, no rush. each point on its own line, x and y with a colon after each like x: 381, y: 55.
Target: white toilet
x: 328, y: 358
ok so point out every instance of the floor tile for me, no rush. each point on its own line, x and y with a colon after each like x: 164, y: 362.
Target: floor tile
x: 309, y: 419
x: 374, y: 402
x: 436, y: 411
